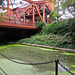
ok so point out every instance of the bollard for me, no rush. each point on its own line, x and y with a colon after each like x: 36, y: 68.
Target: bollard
x: 56, y: 66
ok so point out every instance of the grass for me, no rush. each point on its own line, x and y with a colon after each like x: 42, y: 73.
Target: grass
x: 48, y: 49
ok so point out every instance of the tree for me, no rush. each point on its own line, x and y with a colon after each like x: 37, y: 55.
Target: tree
x: 69, y: 5
x: 62, y: 6
x: 1, y: 2
x: 55, y: 14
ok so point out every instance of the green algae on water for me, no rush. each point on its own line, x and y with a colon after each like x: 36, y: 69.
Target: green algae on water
x: 31, y: 54
x: 48, y: 49
x: 73, y: 65
x: 73, y: 71
x: 8, y: 45
x: 68, y: 53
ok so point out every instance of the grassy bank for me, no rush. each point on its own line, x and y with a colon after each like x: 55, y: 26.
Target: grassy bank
x: 49, y: 40
x: 61, y: 34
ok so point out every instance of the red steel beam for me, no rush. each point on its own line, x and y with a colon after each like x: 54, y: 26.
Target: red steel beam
x: 8, y: 25
x: 24, y: 10
x: 6, y: 8
x: 44, y: 14
x: 33, y: 15
x: 38, y: 12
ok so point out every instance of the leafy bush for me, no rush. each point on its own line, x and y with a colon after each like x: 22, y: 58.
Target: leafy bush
x: 40, y: 26
x: 66, y: 27
x: 61, y: 27
x: 61, y: 34
x: 72, y: 29
x: 50, y: 28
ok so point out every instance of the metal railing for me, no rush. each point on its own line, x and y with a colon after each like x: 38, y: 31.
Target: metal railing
x: 57, y: 62
x: 16, y: 20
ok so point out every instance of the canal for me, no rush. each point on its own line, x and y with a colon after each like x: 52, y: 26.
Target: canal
x: 31, y: 54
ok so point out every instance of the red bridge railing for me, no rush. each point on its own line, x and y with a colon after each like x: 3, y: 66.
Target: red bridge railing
x: 16, y: 20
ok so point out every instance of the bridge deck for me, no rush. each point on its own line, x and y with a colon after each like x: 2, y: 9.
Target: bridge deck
x: 20, y: 26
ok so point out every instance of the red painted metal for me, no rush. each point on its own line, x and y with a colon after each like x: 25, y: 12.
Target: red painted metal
x: 8, y: 25
x: 25, y: 17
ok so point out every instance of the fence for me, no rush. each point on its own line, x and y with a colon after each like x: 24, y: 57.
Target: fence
x: 56, y: 65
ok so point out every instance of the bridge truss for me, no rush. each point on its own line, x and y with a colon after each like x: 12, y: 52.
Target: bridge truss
x: 26, y: 16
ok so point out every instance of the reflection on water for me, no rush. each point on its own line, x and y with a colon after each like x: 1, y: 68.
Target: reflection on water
x: 34, y: 55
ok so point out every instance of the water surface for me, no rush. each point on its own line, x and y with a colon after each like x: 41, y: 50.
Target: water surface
x: 24, y: 53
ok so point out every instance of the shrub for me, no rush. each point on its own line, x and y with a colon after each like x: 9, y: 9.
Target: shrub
x: 62, y: 27
x: 72, y: 29
x: 50, y: 40
x: 39, y: 26
x: 61, y: 34
x: 50, y: 28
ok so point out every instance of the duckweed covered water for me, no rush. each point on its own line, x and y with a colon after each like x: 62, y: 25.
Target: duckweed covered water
x: 23, y: 53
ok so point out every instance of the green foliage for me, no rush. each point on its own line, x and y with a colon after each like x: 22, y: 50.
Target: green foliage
x: 51, y: 28
x: 1, y: 16
x: 1, y: 2
x: 62, y: 27
x: 68, y: 3
x: 65, y: 28
x: 51, y: 15
x: 50, y: 40
x: 72, y: 29
x: 61, y: 34
x: 40, y: 26
x: 63, y: 5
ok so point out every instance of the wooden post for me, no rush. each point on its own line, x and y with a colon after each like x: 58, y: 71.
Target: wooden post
x: 33, y: 15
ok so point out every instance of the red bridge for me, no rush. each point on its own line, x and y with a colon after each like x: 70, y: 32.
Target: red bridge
x: 25, y: 17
